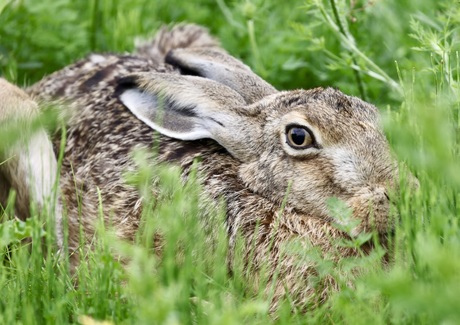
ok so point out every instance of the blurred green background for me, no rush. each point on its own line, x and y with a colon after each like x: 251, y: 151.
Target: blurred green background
x: 300, y: 44
x: 402, y: 56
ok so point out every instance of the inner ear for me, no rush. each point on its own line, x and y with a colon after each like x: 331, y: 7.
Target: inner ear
x: 162, y: 114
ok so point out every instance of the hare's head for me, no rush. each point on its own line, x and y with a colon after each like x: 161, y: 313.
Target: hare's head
x: 324, y: 143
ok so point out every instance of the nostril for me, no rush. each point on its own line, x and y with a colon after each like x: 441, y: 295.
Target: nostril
x: 381, y: 193
x: 386, y: 195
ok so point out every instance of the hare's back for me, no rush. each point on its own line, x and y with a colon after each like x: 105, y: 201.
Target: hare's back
x: 101, y: 137
x: 92, y: 74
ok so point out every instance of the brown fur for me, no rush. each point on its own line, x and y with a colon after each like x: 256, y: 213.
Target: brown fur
x: 249, y: 165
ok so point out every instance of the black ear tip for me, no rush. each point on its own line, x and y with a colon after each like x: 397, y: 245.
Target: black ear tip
x: 126, y: 83
x: 170, y: 58
x: 184, y: 68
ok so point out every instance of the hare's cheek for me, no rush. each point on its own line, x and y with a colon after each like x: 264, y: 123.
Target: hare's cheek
x: 371, y: 208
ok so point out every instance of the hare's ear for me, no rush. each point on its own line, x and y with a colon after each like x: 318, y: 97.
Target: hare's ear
x: 215, y: 64
x: 191, y: 108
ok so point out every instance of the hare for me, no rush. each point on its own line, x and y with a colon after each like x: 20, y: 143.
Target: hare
x: 256, y: 145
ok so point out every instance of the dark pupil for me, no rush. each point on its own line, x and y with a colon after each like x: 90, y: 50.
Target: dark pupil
x: 298, y: 136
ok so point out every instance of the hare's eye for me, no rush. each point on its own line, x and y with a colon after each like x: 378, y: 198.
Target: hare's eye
x: 299, y: 137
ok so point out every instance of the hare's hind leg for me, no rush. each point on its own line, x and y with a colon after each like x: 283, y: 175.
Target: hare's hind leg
x: 27, y: 164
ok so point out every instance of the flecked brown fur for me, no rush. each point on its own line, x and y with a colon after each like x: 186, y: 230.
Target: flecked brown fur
x: 249, y: 165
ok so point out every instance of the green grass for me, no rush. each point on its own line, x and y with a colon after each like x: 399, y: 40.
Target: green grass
x: 402, y: 56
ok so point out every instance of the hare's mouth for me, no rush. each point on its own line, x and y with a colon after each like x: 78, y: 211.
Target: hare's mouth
x: 381, y: 241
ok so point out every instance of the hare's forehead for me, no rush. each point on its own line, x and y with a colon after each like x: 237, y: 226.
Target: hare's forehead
x: 326, y: 106
x: 328, y: 119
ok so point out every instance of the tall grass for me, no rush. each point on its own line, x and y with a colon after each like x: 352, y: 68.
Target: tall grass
x: 401, y: 55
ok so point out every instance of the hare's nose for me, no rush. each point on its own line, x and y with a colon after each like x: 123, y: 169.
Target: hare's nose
x: 380, y: 195
x: 371, y: 206
x: 386, y: 195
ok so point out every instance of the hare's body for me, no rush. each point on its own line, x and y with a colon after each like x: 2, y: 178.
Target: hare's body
x: 324, y: 143
x: 101, y: 137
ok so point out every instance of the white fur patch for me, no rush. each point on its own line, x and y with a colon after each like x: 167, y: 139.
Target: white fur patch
x: 96, y: 58
x: 346, y: 166
x: 37, y: 163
